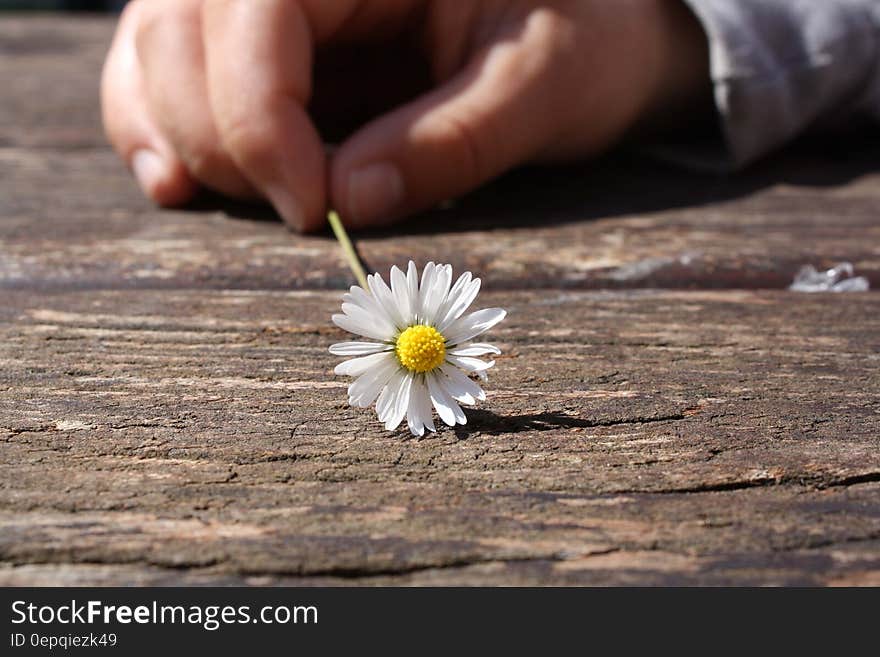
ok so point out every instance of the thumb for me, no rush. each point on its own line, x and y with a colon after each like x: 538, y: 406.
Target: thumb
x: 482, y: 122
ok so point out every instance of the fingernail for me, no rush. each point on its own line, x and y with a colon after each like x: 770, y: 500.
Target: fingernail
x: 374, y: 190
x: 148, y: 169
x: 287, y: 206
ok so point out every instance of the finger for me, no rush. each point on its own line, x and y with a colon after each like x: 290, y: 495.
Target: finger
x: 130, y: 128
x: 482, y: 122
x: 259, y: 58
x: 171, y: 53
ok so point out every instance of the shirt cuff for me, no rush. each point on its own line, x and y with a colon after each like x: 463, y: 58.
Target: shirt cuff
x: 778, y: 68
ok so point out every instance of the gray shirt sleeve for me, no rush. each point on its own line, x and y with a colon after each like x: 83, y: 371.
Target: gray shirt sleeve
x: 781, y: 67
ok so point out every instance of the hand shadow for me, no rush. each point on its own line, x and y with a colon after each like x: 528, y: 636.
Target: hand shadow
x: 621, y: 183
x: 629, y: 183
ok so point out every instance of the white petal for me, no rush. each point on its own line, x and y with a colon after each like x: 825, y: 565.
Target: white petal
x: 447, y: 409
x: 427, y: 278
x: 474, y: 324
x: 367, y: 318
x: 358, y: 348
x: 412, y: 286
x: 352, y: 325
x: 401, y: 295
x: 456, y: 307
x: 459, y: 386
x: 364, y: 390
x: 454, y: 293
x: 400, y: 393
x: 358, y: 366
x: 434, y: 297
x: 455, y: 392
x: 413, y: 421
x: 469, y: 364
x: 385, y: 402
x: 476, y: 349
x: 425, y: 405
x: 418, y: 415
x: 368, y: 302
x: 385, y: 298
x: 444, y: 287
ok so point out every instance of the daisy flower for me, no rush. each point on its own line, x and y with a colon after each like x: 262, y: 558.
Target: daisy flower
x: 421, y: 354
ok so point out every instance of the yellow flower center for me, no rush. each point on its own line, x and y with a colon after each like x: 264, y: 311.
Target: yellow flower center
x: 421, y: 348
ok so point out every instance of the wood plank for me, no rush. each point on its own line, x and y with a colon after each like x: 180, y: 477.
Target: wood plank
x: 630, y: 437
x: 50, y: 66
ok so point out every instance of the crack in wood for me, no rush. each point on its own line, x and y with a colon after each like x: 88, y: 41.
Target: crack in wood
x: 339, y: 572
x: 815, y: 481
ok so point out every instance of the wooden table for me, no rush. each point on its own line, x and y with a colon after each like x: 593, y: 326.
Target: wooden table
x: 665, y: 412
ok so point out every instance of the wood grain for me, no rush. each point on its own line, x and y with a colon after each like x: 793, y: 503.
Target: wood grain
x: 663, y: 413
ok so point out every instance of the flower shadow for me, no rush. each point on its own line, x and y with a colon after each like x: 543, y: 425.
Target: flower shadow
x: 483, y: 422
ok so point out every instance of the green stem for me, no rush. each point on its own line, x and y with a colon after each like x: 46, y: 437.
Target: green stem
x: 351, y: 256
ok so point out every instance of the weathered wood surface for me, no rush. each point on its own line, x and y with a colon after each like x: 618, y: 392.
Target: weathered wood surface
x: 168, y: 412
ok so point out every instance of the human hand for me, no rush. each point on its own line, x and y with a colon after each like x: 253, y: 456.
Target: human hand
x: 226, y: 94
